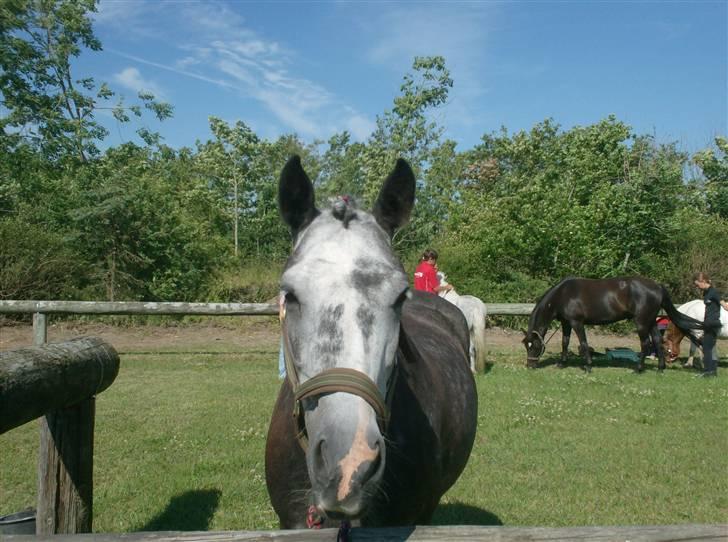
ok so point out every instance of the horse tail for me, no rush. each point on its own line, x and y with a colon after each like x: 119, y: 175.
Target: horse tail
x: 478, y: 337
x: 683, y: 322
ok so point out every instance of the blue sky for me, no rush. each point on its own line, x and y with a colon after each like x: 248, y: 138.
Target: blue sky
x: 318, y: 68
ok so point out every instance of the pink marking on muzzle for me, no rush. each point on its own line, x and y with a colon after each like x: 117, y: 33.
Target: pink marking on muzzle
x: 359, y: 453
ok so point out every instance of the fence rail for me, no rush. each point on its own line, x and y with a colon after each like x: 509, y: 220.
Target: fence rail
x: 658, y: 533
x: 137, y: 307
x: 207, y: 309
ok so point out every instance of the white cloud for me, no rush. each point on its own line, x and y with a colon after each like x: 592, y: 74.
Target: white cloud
x: 132, y: 79
x: 187, y: 62
x: 111, y: 11
x: 359, y: 126
x: 219, y: 48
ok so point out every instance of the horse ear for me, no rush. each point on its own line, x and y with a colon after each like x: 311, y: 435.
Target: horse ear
x: 396, y: 198
x: 296, y: 196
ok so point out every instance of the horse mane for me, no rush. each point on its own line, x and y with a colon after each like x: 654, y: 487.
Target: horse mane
x: 344, y: 209
x: 541, y: 303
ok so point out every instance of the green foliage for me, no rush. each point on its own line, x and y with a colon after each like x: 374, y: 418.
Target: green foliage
x: 35, y: 263
x: 133, y: 220
x: 406, y: 131
x: 232, y: 164
x: 699, y: 244
x: 714, y: 165
x: 341, y: 168
x: 48, y: 107
x: 245, y: 282
x: 510, y: 217
x: 593, y: 201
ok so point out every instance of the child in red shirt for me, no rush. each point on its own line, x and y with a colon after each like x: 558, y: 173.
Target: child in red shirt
x: 426, y: 274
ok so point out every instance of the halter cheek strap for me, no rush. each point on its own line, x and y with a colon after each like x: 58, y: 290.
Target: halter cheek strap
x: 338, y: 379
x: 543, y: 345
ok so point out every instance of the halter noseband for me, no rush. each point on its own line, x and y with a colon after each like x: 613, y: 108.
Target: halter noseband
x: 337, y: 379
x: 543, y: 347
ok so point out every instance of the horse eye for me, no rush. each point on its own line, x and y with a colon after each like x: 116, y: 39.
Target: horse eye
x: 291, y: 297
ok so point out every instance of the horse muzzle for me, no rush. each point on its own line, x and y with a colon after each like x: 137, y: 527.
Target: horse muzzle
x: 345, y: 457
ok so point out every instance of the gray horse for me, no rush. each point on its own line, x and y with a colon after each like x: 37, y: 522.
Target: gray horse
x: 475, y: 314
x: 377, y: 416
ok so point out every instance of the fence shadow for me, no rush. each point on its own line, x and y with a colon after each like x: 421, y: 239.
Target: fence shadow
x: 190, y: 511
x: 463, y: 514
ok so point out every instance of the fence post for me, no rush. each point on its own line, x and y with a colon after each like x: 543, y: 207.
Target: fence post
x: 65, y: 470
x: 65, y: 461
x: 40, y: 328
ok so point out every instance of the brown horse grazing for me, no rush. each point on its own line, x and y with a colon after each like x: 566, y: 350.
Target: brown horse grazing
x: 377, y: 416
x: 674, y: 336
x: 578, y: 301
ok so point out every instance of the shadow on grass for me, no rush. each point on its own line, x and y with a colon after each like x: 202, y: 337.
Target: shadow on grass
x: 599, y: 359
x: 191, y: 511
x: 463, y: 514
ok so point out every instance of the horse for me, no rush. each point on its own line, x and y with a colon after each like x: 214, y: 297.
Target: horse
x: 376, y: 418
x: 475, y: 314
x: 674, y: 336
x: 579, y: 301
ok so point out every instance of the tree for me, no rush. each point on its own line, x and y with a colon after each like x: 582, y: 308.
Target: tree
x: 142, y: 228
x: 341, y: 167
x: 406, y: 131
x: 46, y: 105
x: 233, y: 163
x: 547, y: 203
x: 714, y: 166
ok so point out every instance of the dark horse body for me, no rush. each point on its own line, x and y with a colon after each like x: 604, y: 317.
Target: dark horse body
x: 414, y: 348
x: 578, y: 301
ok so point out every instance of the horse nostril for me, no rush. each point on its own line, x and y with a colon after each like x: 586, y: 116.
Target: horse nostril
x: 321, y: 465
x: 375, y: 466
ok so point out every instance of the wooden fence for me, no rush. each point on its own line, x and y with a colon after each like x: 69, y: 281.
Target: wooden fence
x: 454, y: 533
x: 58, y: 383
x: 40, y: 310
x: 48, y: 520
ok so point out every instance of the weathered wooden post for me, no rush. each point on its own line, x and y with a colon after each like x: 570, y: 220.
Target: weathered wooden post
x: 61, y: 380
x: 40, y: 328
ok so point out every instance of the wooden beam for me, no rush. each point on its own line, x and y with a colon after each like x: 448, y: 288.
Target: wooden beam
x: 40, y: 379
x: 659, y: 533
x: 209, y: 309
x: 138, y: 307
x: 65, y: 470
x: 40, y: 328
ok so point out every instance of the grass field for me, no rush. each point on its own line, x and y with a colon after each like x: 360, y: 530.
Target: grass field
x: 180, y: 438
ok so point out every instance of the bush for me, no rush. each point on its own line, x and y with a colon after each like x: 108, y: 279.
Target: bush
x: 36, y: 263
x: 253, y: 282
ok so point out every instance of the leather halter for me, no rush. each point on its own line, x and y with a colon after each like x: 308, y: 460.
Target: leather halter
x: 337, y: 379
x: 543, y: 347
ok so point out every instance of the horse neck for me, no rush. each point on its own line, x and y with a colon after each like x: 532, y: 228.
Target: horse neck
x: 541, y: 317
x: 451, y: 295
x: 673, y: 333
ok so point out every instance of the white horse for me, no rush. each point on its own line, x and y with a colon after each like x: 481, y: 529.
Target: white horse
x: 475, y: 314
x: 673, y: 336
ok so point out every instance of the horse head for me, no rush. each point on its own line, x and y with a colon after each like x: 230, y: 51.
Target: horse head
x: 342, y: 292
x: 671, y: 342
x: 535, y: 346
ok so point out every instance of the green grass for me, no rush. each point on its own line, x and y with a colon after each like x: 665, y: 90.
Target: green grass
x: 180, y: 439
